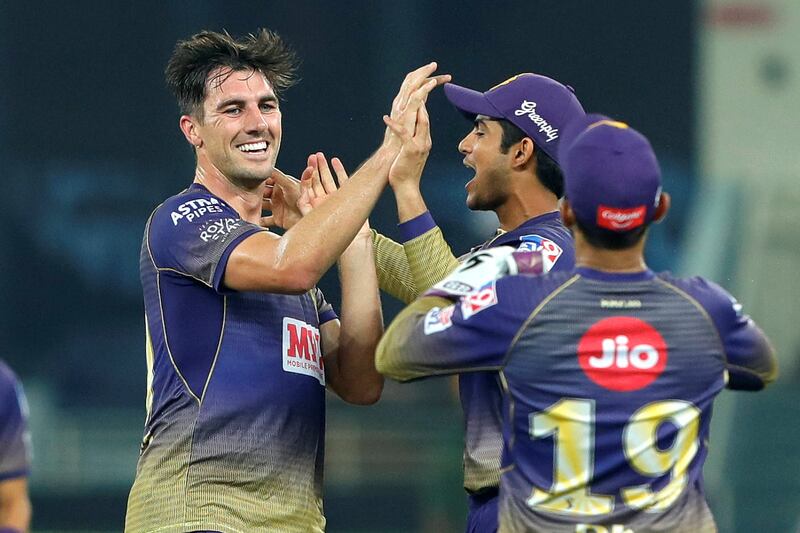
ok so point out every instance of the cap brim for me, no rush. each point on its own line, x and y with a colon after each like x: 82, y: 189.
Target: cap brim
x: 470, y: 102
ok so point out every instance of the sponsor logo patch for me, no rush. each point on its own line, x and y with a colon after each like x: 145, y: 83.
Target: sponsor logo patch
x: 439, y: 319
x: 622, y: 353
x: 529, y: 108
x: 194, y: 209
x: 301, y: 349
x: 214, y: 230
x: 477, y: 301
x: 549, y: 249
x: 620, y: 219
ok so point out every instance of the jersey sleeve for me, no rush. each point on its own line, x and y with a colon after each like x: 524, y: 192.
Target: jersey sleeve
x: 15, y: 444
x: 751, y: 362
x: 407, y: 270
x: 436, y: 335
x: 394, y: 273
x: 196, y: 238
x: 325, y: 310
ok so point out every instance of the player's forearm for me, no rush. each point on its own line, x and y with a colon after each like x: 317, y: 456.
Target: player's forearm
x: 410, y: 203
x: 399, y: 359
x: 361, y: 324
x: 15, y: 506
x: 394, y: 274
x: 430, y: 259
x: 312, y: 245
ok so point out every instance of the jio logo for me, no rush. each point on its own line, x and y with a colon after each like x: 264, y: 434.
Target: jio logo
x: 622, y: 353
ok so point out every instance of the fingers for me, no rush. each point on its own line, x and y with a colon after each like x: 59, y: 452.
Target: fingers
x: 413, y: 81
x: 267, y: 221
x: 279, y: 178
x: 338, y: 168
x: 397, y: 128
x: 423, y: 130
x: 326, y: 177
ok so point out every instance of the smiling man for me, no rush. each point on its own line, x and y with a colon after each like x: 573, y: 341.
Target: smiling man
x: 241, y: 345
x: 513, y: 152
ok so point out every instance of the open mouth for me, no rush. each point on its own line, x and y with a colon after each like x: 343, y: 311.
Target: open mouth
x: 259, y: 147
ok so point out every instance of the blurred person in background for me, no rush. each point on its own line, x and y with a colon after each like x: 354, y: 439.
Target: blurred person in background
x: 236, y: 330
x: 15, y: 454
x: 513, y: 151
x: 609, y: 371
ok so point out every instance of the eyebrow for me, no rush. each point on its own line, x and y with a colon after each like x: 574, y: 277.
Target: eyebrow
x: 240, y: 102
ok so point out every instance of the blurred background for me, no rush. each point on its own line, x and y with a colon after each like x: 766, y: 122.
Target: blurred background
x: 89, y: 145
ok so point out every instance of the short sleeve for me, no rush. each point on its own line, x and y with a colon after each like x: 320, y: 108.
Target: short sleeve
x: 325, y: 310
x: 751, y: 363
x: 194, y: 234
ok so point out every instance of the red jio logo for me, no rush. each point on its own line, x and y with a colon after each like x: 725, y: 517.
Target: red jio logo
x: 622, y: 353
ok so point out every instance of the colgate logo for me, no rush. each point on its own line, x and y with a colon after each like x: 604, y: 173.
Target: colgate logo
x: 622, y: 353
x: 620, y: 219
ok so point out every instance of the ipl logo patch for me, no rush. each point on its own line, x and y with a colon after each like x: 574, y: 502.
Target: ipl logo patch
x: 439, y: 319
x: 549, y: 249
x: 622, y: 353
x: 477, y: 301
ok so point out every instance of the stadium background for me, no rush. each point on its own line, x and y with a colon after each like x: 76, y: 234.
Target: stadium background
x: 89, y: 144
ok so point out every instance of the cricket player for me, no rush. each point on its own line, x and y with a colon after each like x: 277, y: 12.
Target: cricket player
x: 513, y: 151
x: 241, y: 345
x: 608, y: 371
x: 15, y: 455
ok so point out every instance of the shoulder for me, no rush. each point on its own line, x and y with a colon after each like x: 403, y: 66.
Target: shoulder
x: 528, y: 291
x: 8, y: 379
x: 718, y: 302
x: 193, y: 205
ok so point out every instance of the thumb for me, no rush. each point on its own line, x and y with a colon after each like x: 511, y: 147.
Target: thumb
x: 283, y: 179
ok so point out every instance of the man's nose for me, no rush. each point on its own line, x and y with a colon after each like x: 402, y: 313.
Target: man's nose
x: 465, y: 146
x: 255, y: 121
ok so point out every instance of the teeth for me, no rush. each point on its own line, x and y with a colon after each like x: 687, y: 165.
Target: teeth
x: 253, y: 147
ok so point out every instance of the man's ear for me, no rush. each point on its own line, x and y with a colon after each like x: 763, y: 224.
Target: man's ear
x: 567, y: 215
x: 664, y: 203
x: 188, y: 125
x: 523, y: 152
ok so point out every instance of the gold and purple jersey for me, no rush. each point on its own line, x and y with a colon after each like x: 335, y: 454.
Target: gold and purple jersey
x: 15, y: 442
x: 234, y: 433
x: 608, y: 382
x: 424, y: 259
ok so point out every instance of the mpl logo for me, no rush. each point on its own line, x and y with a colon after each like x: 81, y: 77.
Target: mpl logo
x: 617, y: 219
x: 622, y: 353
x: 301, y: 349
x: 549, y: 249
x: 477, y: 301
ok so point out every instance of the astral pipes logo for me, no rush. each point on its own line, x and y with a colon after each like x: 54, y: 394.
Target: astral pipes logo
x: 529, y: 108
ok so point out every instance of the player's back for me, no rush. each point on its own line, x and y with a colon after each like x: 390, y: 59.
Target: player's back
x: 610, y: 385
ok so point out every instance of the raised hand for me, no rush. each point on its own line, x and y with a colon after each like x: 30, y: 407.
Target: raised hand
x: 416, y: 146
x: 280, y: 199
x: 413, y: 82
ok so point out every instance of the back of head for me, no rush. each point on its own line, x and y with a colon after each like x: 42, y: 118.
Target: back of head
x: 208, y: 52
x: 526, y: 105
x: 612, y: 181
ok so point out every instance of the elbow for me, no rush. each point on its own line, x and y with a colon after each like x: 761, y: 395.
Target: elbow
x: 368, y: 395
x: 293, y: 280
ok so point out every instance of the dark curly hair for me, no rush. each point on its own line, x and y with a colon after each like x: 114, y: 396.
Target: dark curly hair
x: 194, y: 59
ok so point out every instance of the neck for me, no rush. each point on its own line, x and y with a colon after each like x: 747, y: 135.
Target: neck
x: 244, y: 197
x: 628, y: 260
x: 524, y: 203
